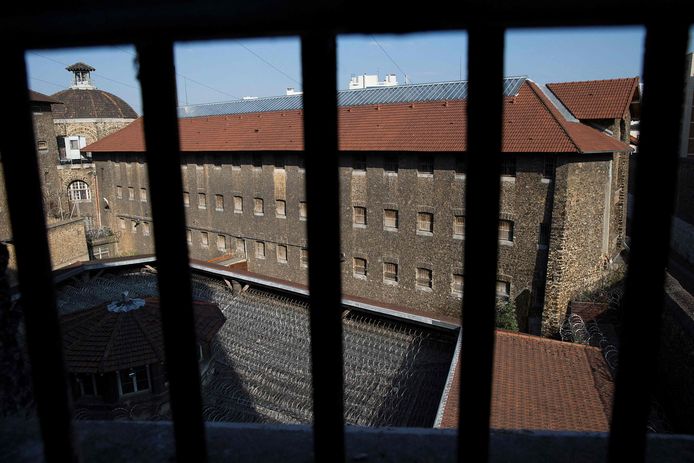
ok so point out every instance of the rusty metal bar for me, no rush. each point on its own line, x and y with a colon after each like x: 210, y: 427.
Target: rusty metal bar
x: 158, y: 81
x: 663, y: 96
x: 319, y: 67
x: 485, y: 105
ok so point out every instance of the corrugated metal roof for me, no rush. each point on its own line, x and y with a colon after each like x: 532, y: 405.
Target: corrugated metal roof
x: 438, y: 91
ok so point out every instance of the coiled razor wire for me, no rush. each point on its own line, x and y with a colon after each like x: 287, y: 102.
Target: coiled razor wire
x: 261, y: 364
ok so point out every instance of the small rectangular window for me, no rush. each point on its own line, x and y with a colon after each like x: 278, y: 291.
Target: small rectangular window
x: 503, y: 289
x: 390, y: 164
x: 303, y: 211
x: 281, y: 208
x: 390, y: 219
x: 258, y: 208
x: 457, y: 284
x: 359, y: 215
x: 460, y: 165
x: 119, y: 192
x: 121, y: 223
x: 425, y: 165
x: 143, y: 195
x: 204, y: 239
x: 133, y: 380
x: 189, y: 236
x: 133, y: 226
x: 423, y: 278
x: 390, y: 272
x: 359, y: 163
x: 279, y: 161
x: 505, y: 230
x: 459, y: 226
x: 218, y: 202
x: 257, y: 161
x: 202, y: 201
x: 303, y: 258
x: 221, y: 243
x: 131, y: 193
x: 42, y: 145
x: 549, y: 167
x: 186, y: 199
x: 260, y: 250
x: 235, y: 161
x: 508, y: 166
x: 425, y: 222
x: 359, y: 267
x: 217, y: 162
x: 281, y: 253
x: 145, y: 229
x: 238, y: 204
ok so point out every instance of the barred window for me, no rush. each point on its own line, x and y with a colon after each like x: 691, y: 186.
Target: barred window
x: 425, y: 165
x: 302, y: 210
x: 78, y: 191
x: 503, y: 289
x: 457, y: 284
x: 202, y: 201
x: 258, y: 208
x: 186, y: 199
x: 390, y: 272
x: 143, y: 195
x: 119, y: 192
x: 508, y: 166
x: 390, y: 219
x: 238, y: 204
x: 359, y: 267
x: 390, y: 164
x: 425, y: 222
x: 359, y: 163
x: 260, y: 250
x: 281, y: 208
x: 459, y: 226
x: 423, y: 279
x: 505, y: 230
x: 359, y: 216
x: 131, y: 193
x: 218, y: 202
x: 221, y: 243
x: 281, y: 253
x: 204, y: 239
x: 303, y: 259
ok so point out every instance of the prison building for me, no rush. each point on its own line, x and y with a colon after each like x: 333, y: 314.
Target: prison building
x: 402, y: 190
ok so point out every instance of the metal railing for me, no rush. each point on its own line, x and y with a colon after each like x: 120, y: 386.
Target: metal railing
x: 317, y: 25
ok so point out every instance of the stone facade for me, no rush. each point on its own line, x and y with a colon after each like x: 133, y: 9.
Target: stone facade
x: 92, y: 129
x: 572, y: 208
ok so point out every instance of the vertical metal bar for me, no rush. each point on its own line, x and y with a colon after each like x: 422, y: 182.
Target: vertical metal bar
x: 319, y: 67
x: 24, y: 198
x: 484, y: 131
x: 663, y: 95
x: 158, y: 83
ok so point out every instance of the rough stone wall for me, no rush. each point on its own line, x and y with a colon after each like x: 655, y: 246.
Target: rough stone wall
x: 92, y: 130
x: 67, y: 174
x: 5, y: 226
x: 47, y: 155
x: 576, y: 258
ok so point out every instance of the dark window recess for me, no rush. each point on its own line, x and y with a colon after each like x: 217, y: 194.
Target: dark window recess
x: 425, y: 164
x: 390, y: 164
x: 236, y: 160
x: 279, y: 161
x: 359, y: 162
x: 257, y: 161
x: 549, y: 167
x: 460, y: 164
x: 508, y: 166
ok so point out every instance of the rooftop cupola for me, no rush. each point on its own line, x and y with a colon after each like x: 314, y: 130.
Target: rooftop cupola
x: 82, y: 79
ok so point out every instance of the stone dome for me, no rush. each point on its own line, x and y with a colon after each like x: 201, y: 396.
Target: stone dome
x: 91, y: 104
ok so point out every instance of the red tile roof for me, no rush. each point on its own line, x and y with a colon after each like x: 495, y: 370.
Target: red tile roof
x: 597, y: 99
x: 98, y: 340
x: 531, y: 124
x: 541, y: 383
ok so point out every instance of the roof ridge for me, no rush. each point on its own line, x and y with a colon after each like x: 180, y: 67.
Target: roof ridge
x: 517, y: 334
x: 635, y: 85
x: 552, y: 110
x: 592, y: 80
x: 145, y: 332
x: 109, y: 345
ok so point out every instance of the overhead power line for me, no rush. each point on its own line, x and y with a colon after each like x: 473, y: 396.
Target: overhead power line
x: 47, y: 82
x: 268, y: 63
x: 389, y: 57
x: 98, y: 74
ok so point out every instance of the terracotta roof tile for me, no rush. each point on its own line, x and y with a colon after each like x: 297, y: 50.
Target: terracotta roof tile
x: 597, y: 99
x: 97, y: 340
x: 540, y: 383
x: 531, y: 124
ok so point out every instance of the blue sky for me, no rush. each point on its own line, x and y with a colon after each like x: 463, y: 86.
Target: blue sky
x: 222, y: 71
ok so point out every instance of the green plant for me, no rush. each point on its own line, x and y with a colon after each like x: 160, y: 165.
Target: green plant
x: 506, y: 315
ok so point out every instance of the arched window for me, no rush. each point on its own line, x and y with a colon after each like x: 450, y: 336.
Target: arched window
x: 79, y: 191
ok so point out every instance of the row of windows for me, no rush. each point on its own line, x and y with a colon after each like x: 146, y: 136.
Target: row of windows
x: 256, y: 162
x: 131, y: 193
x: 134, y: 224
x: 423, y: 277
x: 258, y: 204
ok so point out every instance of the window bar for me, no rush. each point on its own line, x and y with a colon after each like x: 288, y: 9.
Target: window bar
x: 484, y: 131
x: 662, y: 104
x: 157, y: 78
x: 323, y: 226
x: 22, y: 180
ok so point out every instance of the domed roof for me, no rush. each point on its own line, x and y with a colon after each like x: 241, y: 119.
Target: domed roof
x: 84, y: 101
x: 91, y: 104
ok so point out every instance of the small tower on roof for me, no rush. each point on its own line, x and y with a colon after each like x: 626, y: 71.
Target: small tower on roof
x: 82, y: 79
